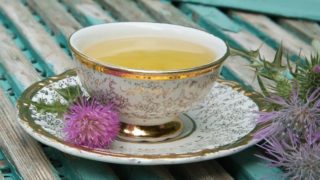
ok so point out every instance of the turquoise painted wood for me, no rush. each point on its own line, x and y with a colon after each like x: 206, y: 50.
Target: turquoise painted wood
x: 216, y: 18
x: 7, y: 170
x: 70, y: 169
x: 245, y: 165
x: 307, y: 9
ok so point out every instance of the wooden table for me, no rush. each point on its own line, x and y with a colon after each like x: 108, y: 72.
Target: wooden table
x: 33, y: 46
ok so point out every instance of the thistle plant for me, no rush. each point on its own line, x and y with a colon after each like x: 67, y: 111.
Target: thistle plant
x: 308, y: 74
x: 292, y: 124
x: 299, y: 157
x: 90, y: 123
x: 305, y: 72
x: 293, y: 114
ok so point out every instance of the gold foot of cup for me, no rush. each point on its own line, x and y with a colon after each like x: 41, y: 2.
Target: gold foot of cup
x: 155, y: 133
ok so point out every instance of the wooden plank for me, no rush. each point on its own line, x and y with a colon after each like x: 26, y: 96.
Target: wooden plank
x: 3, y: 165
x: 55, y: 15
x: 77, y: 168
x: 166, y: 13
x: 15, y: 62
x: 125, y: 10
x: 202, y: 171
x: 7, y: 170
x: 35, y: 36
x: 307, y: 9
x: 273, y: 30
x: 306, y: 29
x: 88, y: 169
x: 219, y: 19
x: 251, y: 42
x: 238, y: 164
x: 25, y: 152
x: 239, y: 66
x: 26, y: 75
x: 142, y: 172
x: 87, y: 12
x: 243, y: 37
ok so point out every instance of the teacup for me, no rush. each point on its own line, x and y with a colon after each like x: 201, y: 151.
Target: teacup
x: 148, y: 101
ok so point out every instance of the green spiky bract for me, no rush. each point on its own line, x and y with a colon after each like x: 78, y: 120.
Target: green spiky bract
x: 283, y: 75
x: 307, y: 78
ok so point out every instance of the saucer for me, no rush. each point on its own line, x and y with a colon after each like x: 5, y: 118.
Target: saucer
x: 222, y: 124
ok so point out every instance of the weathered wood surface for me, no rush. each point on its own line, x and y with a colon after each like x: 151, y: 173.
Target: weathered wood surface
x: 142, y: 172
x: 24, y: 74
x: 125, y: 10
x: 251, y: 42
x: 15, y: 62
x: 43, y: 45
x: 3, y: 165
x: 243, y: 37
x: 100, y: 170
x: 201, y: 171
x: 244, y: 165
x: 25, y: 152
x: 88, y: 12
x: 276, y: 32
x: 307, y: 29
x: 166, y: 13
x: 56, y: 16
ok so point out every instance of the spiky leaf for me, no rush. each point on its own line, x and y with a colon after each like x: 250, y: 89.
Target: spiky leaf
x: 55, y: 107
x: 70, y: 93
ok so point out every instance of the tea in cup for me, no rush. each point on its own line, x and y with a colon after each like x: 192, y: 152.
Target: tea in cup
x: 150, y: 71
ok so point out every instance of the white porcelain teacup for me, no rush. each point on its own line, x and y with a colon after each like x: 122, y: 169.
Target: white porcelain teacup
x: 148, y: 101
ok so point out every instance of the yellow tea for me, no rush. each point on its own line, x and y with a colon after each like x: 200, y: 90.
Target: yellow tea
x: 150, y: 53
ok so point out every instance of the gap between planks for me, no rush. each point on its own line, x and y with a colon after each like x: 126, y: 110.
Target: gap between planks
x: 88, y: 12
x: 42, y: 44
x: 307, y: 30
x: 264, y: 24
x: 24, y: 75
x: 12, y: 54
x: 25, y: 152
x: 56, y: 16
x: 125, y: 10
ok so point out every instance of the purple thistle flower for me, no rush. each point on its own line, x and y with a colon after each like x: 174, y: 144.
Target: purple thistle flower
x: 294, y: 114
x: 89, y: 123
x: 316, y: 68
x: 299, y: 157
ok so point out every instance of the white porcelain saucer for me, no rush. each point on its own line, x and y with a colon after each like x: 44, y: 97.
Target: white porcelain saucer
x: 222, y: 124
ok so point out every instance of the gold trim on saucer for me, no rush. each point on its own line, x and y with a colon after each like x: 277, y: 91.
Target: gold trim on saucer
x: 27, y: 122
